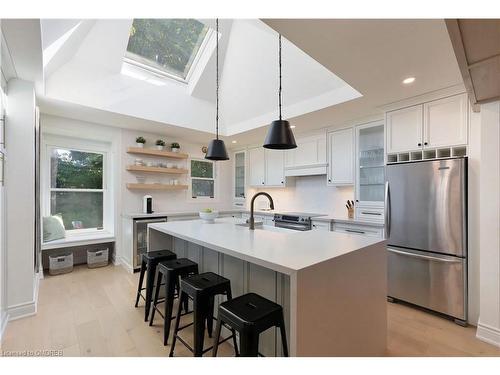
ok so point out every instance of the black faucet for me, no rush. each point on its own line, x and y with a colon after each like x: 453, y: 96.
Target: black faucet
x: 251, y: 221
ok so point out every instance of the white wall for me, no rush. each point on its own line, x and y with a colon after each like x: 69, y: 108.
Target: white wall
x: 489, y: 200
x: 20, y: 189
x: 129, y: 201
x: 307, y: 194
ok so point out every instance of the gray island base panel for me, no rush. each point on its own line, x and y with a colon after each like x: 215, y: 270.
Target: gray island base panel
x: 332, y: 286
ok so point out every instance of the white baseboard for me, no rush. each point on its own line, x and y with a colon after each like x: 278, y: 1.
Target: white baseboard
x: 22, y: 310
x: 3, y: 324
x: 26, y: 309
x: 488, y: 334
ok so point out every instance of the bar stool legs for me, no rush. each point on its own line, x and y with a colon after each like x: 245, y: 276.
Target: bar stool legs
x: 141, y: 280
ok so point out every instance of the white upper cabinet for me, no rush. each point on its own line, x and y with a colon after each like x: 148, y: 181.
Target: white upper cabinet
x: 266, y: 167
x: 341, y: 157
x: 309, y: 158
x: 439, y: 123
x: 404, y: 129
x: 445, y: 122
x: 257, y: 168
x: 275, y: 164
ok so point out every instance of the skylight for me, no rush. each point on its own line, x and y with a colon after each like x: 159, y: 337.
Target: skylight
x: 166, y: 46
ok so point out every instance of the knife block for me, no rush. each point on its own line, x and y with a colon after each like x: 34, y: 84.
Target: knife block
x: 350, y: 213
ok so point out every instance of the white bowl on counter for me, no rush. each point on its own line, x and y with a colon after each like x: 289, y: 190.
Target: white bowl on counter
x: 209, y: 216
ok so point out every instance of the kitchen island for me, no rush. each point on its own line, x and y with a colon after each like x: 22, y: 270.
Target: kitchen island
x: 332, y: 286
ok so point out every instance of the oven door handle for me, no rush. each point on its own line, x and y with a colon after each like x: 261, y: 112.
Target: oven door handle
x: 285, y: 225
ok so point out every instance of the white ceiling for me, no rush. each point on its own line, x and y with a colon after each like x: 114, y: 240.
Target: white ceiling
x: 373, y: 56
x: 86, y: 68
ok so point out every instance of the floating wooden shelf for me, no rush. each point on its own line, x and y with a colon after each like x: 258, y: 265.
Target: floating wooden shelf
x: 156, y: 187
x: 141, y: 168
x: 152, y: 152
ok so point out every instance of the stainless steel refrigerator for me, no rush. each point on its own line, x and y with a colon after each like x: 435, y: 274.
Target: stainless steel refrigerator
x: 426, y: 230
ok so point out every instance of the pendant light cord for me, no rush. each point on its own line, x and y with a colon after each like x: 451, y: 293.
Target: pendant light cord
x: 217, y: 78
x: 279, y: 64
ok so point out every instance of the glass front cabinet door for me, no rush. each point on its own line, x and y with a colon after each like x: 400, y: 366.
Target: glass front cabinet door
x: 370, y: 171
x: 239, y: 179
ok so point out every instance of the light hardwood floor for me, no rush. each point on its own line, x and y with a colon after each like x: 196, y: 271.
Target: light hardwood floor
x: 90, y: 312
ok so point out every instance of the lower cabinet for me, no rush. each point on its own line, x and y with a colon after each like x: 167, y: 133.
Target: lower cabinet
x: 245, y: 277
x: 321, y: 225
x: 359, y: 229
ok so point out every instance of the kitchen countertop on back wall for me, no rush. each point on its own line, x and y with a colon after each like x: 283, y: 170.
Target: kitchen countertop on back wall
x: 325, y: 218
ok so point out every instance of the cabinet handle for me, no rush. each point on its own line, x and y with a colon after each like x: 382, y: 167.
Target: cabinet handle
x: 371, y: 213
x: 420, y: 144
x: 355, y: 231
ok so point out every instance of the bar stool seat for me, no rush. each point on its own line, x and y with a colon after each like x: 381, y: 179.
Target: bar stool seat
x: 250, y: 315
x: 149, y: 261
x: 201, y: 289
x: 171, y: 271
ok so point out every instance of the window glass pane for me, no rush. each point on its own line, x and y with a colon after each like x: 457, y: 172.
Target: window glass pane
x: 75, y: 169
x: 166, y: 44
x: 203, y: 188
x: 203, y: 169
x: 79, y: 210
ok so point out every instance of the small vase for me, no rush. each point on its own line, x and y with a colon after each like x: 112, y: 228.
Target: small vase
x: 140, y: 145
x: 159, y: 148
x: 175, y: 149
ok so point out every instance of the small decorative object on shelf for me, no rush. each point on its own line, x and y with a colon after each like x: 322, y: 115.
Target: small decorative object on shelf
x: 175, y: 147
x: 204, y: 149
x: 160, y: 144
x: 140, y: 141
x: 350, y: 209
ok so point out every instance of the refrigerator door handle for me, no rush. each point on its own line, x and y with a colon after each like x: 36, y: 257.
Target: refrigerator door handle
x: 387, y: 210
x: 426, y: 257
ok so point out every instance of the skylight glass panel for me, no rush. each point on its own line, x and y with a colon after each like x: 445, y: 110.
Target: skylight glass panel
x: 166, y: 45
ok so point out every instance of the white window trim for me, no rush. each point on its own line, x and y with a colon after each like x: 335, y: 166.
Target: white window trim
x: 50, y: 142
x: 144, y: 66
x: 215, y: 179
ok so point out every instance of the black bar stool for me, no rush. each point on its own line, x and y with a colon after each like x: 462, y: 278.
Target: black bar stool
x: 250, y: 315
x: 171, y: 271
x: 149, y: 261
x: 202, y: 289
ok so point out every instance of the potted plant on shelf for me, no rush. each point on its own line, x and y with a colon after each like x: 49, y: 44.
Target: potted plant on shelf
x: 139, y: 141
x: 160, y: 144
x: 175, y: 147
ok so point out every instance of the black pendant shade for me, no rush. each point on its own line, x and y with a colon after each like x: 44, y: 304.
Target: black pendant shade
x: 280, y: 136
x: 216, y: 147
x: 217, y: 150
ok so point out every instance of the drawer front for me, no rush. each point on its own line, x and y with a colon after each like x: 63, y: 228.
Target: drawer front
x: 321, y: 225
x: 362, y: 230
x: 434, y: 281
x: 373, y: 214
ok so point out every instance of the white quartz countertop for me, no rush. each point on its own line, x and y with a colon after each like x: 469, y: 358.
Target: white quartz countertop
x: 324, y: 218
x: 283, y: 250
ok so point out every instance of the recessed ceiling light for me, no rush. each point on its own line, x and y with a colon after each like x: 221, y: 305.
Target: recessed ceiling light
x: 408, y: 80
x: 292, y: 126
x: 233, y: 141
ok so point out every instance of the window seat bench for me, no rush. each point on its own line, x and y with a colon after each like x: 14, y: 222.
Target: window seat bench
x: 80, y: 240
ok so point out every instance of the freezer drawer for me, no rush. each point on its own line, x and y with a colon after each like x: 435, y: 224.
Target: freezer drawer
x: 430, y: 280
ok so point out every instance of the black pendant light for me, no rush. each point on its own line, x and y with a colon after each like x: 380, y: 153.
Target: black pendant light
x: 280, y: 135
x: 216, y: 147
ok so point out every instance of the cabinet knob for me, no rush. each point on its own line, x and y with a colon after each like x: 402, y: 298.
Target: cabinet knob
x: 420, y: 144
x: 262, y: 183
x: 329, y: 180
x: 281, y: 181
x: 357, y: 200
x: 425, y: 143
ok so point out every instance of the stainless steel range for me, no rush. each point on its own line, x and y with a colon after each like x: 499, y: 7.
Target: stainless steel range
x: 294, y: 220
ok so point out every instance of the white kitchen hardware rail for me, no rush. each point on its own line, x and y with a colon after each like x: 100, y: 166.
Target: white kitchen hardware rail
x: 428, y: 154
